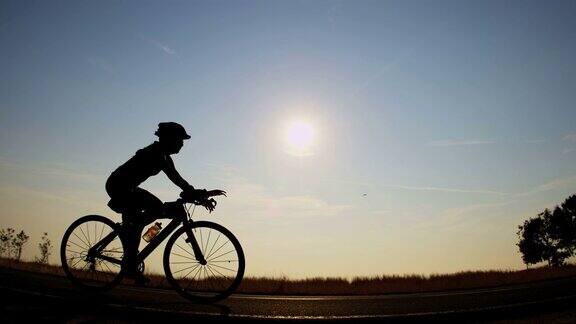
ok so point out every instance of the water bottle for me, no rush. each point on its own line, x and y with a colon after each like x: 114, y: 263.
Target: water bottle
x: 152, y: 231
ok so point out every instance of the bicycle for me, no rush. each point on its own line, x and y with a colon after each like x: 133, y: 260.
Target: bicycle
x: 199, y: 269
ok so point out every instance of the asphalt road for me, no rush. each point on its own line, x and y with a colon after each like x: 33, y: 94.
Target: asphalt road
x: 33, y: 296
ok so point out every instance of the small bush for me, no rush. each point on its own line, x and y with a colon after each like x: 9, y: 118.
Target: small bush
x: 45, y: 247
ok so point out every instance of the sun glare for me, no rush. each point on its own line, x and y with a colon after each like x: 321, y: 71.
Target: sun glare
x: 300, y: 138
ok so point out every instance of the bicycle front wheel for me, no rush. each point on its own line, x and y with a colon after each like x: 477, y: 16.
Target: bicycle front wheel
x: 222, y: 272
x: 91, y: 253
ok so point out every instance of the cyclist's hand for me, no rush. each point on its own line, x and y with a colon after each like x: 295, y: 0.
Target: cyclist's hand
x: 216, y: 192
x: 209, y: 204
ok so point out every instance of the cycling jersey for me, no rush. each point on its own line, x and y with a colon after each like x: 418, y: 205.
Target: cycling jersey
x: 145, y: 163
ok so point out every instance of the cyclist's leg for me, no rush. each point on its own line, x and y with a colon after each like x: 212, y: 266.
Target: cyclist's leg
x: 122, y: 196
x: 152, y: 206
x: 131, y: 233
x: 147, y: 208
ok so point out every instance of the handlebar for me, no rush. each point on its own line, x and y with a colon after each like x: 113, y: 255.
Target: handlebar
x: 198, y: 197
x: 184, y: 201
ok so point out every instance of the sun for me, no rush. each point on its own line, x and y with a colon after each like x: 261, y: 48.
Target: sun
x: 300, y: 137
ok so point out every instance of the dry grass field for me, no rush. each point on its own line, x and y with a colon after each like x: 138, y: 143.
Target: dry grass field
x: 384, y: 284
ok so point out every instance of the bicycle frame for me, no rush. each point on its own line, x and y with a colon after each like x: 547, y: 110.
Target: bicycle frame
x: 153, y: 244
x: 158, y: 239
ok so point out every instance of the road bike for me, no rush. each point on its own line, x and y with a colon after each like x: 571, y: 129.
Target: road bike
x: 203, y: 261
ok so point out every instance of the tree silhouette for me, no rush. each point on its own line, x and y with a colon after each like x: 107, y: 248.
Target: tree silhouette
x: 6, y: 236
x: 550, y: 236
x: 17, y: 244
x: 45, y: 247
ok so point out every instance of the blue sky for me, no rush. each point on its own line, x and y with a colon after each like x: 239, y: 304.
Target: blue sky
x: 456, y: 118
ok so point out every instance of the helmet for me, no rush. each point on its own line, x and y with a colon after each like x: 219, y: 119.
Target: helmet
x: 171, y: 129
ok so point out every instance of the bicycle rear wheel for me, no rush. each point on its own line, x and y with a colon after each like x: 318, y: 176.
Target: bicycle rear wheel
x: 91, y: 253
x: 215, y: 280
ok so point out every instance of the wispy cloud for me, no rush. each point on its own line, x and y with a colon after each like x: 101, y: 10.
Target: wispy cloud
x: 470, y: 214
x: 555, y: 184
x: 55, y: 169
x: 459, y: 142
x: 536, y: 141
x: 490, y: 192
x: 383, y: 69
x: 37, y: 194
x: 570, y: 137
x: 374, y: 77
x: 367, y: 185
x: 161, y: 46
x: 256, y: 200
x: 451, y: 219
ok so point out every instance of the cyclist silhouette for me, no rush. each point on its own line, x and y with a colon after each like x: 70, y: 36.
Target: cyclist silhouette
x: 138, y: 206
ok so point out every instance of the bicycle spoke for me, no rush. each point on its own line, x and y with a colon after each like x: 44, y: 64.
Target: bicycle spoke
x: 78, y: 261
x: 192, y: 280
x: 201, y: 239
x: 183, y: 249
x: 208, y: 278
x: 215, y: 277
x: 223, y: 254
x: 79, y: 256
x: 101, y: 232
x: 75, y: 252
x: 220, y: 273
x: 75, y: 263
x: 193, y: 269
x: 207, y: 242
x: 81, y: 240
x: 192, y: 266
x: 83, y: 234
x: 185, y: 257
x: 107, y: 267
x: 84, y: 267
x: 221, y: 246
x: 213, y: 245
x: 217, y: 280
x: 77, y: 245
x: 201, y: 281
x: 75, y: 257
x: 88, y: 233
x: 221, y: 267
x: 182, y: 262
x: 212, y: 279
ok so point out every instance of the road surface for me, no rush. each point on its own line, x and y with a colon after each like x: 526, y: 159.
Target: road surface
x: 33, y: 296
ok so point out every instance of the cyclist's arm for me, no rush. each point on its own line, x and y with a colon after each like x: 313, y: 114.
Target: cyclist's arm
x: 174, y: 176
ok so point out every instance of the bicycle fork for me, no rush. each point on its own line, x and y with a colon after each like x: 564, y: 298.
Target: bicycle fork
x: 194, y: 243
